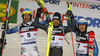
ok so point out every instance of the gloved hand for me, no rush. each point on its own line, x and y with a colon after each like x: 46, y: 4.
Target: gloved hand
x: 69, y: 13
x: 41, y: 10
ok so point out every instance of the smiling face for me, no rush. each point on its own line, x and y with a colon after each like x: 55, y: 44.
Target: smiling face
x: 82, y: 27
x: 56, y: 22
x: 26, y: 17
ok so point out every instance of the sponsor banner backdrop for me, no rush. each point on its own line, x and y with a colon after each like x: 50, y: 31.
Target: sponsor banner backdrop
x: 80, y: 10
x: 13, y: 10
x: 98, y: 1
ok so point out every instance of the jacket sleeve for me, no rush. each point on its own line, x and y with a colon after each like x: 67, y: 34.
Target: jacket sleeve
x: 95, y: 48
x: 46, y: 21
x: 72, y: 25
x: 38, y: 25
x: 13, y: 30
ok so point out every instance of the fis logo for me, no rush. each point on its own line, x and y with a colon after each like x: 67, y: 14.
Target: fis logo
x: 85, y: 6
x: 52, y: 1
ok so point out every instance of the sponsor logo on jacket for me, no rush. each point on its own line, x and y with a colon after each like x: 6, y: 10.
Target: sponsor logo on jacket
x: 27, y: 28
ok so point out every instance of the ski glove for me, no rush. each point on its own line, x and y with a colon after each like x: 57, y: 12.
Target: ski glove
x: 40, y: 11
x: 69, y: 13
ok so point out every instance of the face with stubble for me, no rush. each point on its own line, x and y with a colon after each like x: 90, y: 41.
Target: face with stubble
x: 26, y: 17
x: 56, y: 22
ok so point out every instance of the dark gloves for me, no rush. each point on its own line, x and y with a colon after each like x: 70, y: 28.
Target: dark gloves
x: 69, y: 13
x: 40, y: 11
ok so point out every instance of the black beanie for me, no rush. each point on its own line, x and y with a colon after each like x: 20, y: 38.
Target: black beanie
x: 57, y: 15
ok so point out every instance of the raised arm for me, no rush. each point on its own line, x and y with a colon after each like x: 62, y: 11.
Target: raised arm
x: 71, y: 23
x: 73, y: 26
x: 36, y: 21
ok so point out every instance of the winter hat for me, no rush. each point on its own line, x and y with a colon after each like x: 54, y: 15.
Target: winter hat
x: 57, y: 15
x: 82, y: 21
x: 27, y: 11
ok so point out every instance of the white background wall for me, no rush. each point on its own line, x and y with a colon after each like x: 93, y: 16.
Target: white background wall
x: 62, y: 8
